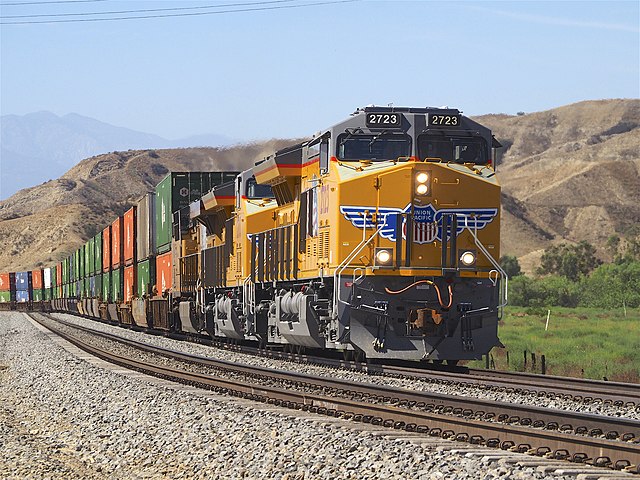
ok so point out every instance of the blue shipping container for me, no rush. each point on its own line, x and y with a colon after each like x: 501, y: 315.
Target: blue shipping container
x: 22, y: 296
x: 92, y: 286
x: 23, y: 280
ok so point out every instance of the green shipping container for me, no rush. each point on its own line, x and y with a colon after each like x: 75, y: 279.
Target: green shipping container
x: 117, y: 286
x: 5, y: 296
x: 98, y: 253
x: 38, y: 295
x: 177, y: 191
x: 90, y: 256
x: 86, y: 287
x: 54, y: 275
x: 65, y: 270
x: 106, y: 287
x: 98, y: 286
x: 80, y: 253
x: 146, y: 273
x: 47, y: 294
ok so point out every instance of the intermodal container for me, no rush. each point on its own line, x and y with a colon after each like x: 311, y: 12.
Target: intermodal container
x: 177, y: 191
x: 98, y: 256
x: 98, y: 293
x: 23, y: 281
x: 86, y: 292
x: 116, y: 243
x: 129, y: 236
x: 38, y: 295
x: 106, y: 287
x: 88, y: 257
x: 65, y: 270
x: 116, y: 285
x: 145, y: 227
x: 81, y: 270
x: 164, y: 272
x: 92, y: 286
x: 72, y: 268
x: 129, y: 283
x: 106, y: 249
x: 47, y: 294
x: 22, y: 296
x: 7, y: 296
x: 54, y: 276
x: 46, y: 276
x: 146, y: 277
x: 77, y: 289
x: 59, y: 274
x: 36, y: 279
x: 65, y: 291
x: 7, y: 281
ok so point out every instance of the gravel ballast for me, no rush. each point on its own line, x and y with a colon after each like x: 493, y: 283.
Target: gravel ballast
x: 415, y: 384
x: 63, y: 417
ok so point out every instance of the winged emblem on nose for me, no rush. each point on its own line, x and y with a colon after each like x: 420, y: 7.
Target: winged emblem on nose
x: 362, y: 217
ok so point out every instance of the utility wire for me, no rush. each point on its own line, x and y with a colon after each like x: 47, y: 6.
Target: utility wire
x: 193, y: 14
x: 147, y: 10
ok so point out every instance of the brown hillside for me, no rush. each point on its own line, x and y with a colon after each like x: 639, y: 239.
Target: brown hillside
x: 43, y: 224
x: 569, y: 174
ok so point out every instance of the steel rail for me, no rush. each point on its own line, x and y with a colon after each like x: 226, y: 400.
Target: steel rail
x: 569, y: 388
x: 410, y: 408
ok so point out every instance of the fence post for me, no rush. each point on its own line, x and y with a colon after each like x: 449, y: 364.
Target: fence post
x: 525, y: 359
x: 493, y: 363
x: 544, y: 365
x: 533, y: 362
x: 507, y: 358
x: 486, y: 361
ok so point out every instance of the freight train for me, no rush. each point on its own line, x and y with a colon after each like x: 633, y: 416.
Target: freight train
x: 378, y: 237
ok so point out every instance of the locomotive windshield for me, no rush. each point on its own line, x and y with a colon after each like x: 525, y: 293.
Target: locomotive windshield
x: 453, y: 149
x: 257, y: 190
x: 378, y: 147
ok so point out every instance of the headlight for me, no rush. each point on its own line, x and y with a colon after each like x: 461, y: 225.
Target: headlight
x: 422, y: 177
x: 422, y: 189
x: 383, y: 256
x: 468, y: 258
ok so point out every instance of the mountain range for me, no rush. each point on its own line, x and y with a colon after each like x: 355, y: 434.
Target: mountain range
x: 568, y: 174
x: 41, y: 146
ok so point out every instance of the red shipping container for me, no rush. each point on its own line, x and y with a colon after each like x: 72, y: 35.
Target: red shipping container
x: 59, y: 274
x: 164, y: 272
x: 116, y: 243
x: 5, y: 282
x: 106, y: 249
x: 129, y: 236
x: 129, y: 283
x: 36, y: 279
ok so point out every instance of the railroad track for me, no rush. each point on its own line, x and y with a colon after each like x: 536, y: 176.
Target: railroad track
x: 547, y: 386
x: 578, y: 437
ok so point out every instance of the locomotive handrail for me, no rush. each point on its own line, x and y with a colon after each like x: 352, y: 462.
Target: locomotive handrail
x: 504, y: 286
x: 345, y: 263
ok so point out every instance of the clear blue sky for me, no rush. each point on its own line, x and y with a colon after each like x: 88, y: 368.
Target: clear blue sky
x: 291, y: 72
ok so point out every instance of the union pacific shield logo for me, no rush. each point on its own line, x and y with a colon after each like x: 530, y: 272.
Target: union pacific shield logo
x: 427, y: 220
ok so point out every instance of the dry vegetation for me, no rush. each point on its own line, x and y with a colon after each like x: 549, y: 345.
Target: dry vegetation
x: 569, y: 174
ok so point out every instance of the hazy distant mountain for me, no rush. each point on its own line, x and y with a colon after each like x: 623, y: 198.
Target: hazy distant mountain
x: 41, y: 146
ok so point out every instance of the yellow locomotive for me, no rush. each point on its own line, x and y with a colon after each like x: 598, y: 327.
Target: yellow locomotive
x: 378, y: 236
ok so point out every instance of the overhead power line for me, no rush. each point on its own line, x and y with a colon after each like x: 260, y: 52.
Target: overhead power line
x: 191, y: 14
x: 146, y: 10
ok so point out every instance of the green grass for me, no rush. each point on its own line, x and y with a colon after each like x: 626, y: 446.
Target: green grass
x: 580, y: 342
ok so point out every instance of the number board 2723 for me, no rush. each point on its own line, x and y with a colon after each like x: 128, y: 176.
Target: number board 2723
x: 381, y: 120
x: 440, y: 120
